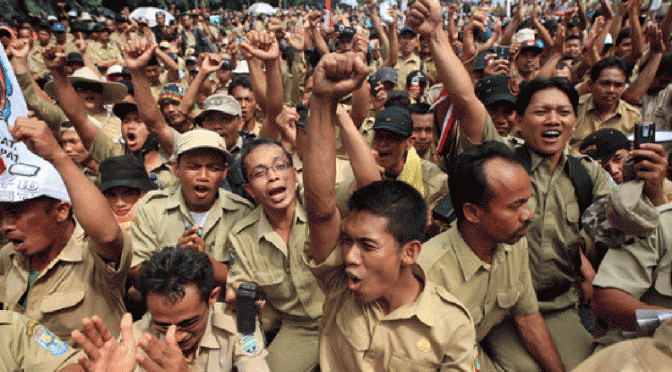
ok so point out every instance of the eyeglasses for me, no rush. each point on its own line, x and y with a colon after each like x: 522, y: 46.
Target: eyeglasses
x: 262, y: 171
x: 82, y: 87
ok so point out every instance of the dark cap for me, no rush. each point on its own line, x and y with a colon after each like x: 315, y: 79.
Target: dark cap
x: 396, y: 120
x: 346, y: 32
x: 98, y: 27
x: 386, y: 74
x: 129, y: 86
x: 58, y: 28
x: 531, y: 45
x: 418, y: 75
x: 191, y: 59
x: 124, y: 108
x: 601, y: 145
x: 398, y: 98
x: 406, y: 30
x: 74, y: 57
x: 495, y: 88
x: 126, y: 171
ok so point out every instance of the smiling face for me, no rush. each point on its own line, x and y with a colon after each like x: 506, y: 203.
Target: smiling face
x: 372, y: 256
x: 275, y: 189
x: 391, y: 149
x: 134, y: 131
x: 201, y: 172
x: 407, y: 43
x: 548, y: 122
x: 189, y: 313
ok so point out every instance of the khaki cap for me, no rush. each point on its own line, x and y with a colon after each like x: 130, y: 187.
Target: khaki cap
x: 220, y: 102
x: 198, y: 139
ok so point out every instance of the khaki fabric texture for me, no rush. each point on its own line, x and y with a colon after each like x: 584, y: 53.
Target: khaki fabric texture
x: 26, y: 345
x: 162, y: 216
x: 405, y: 67
x: 77, y: 284
x: 490, y: 291
x: 623, y: 119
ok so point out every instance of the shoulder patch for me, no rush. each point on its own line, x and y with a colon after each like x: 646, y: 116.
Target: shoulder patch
x: 47, y: 340
x: 477, y: 363
x: 249, y: 344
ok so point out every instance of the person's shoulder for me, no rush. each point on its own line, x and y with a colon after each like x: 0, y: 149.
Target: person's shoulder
x: 224, y: 318
x: 233, y: 202
x: 435, y: 248
x: 156, y: 196
x: 250, y: 220
x: 450, y: 303
x: 585, y: 98
x: 432, y: 173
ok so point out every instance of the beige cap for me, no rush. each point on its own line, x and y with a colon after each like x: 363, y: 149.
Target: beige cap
x: 222, y: 103
x: 198, y: 139
x: 112, y: 92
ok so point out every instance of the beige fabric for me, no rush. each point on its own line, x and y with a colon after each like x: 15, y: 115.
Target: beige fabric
x: 434, y: 333
x: 97, y: 52
x: 623, y: 119
x: 162, y: 217
x: 26, y: 345
x: 220, y: 348
x: 405, y: 67
x: 76, y: 284
x: 489, y: 291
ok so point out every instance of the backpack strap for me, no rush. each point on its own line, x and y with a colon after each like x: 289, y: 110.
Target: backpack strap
x: 583, y: 184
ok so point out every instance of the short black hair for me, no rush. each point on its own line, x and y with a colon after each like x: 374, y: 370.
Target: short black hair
x: 419, y: 108
x: 622, y: 35
x: 530, y: 87
x: 249, y: 146
x: 467, y: 180
x: 399, y: 202
x: 171, y: 269
x: 617, y: 62
x: 240, y: 80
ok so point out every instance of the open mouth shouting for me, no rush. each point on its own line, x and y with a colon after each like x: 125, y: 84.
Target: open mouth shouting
x: 277, y: 194
x: 354, y: 281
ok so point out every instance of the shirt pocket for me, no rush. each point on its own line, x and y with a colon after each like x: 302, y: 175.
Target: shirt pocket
x: 573, y: 214
x: 506, y: 299
x: 61, y: 301
x: 400, y: 363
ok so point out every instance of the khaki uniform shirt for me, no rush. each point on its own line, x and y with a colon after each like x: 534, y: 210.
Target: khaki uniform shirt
x: 108, y: 122
x: 260, y: 256
x: 76, y: 284
x: 405, y: 67
x: 221, y: 347
x: 118, y: 38
x: 98, y: 52
x: 44, y: 110
x: 162, y: 216
x: 658, y: 108
x: 434, y: 333
x: 26, y: 345
x: 36, y: 60
x: 642, y: 268
x: 623, y: 119
x: 554, y: 230
x: 489, y: 291
x: 644, y: 354
x: 104, y: 147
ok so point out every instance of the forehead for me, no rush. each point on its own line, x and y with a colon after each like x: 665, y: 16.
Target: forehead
x: 423, y: 120
x: 506, y: 180
x: 242, y: 91
x: 550, y: 96
x: 366, y: 225
x: 175, y: 309
x: 265, y: 154
x: 69, y: 135
x: 24, y: 205
x: 612, y: 73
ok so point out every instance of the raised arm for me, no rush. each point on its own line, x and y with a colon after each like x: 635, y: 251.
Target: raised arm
x: 637, y: 35
x: 210, y: 64
x: 425, y: 18
x: 513, y: 25
x: 364, y: 165
x: 69, y: 101
x: 137, y: 54
x: 335, y: 76
x: 392, y: 41
x: 92, y: 210
x: 170, y: 65
x: 641, y: 84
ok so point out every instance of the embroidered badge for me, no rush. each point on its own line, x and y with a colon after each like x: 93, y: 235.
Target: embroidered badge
x: 232, y: 260
x: 477, y: 363
x: 249, y: 344
x: 50, y: 342
x: 423, y: 345
x: 30, y: 327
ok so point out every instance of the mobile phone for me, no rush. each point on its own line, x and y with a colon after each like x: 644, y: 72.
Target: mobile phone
x: 502, y: 52
x: 645, y: 132
x: 373, y: 82
x: 246, y: 295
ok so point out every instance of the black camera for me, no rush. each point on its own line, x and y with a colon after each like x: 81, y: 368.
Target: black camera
x: 645, y: 132
x: 246, y: 296
x: 373, y: 82
x: 502, y: 52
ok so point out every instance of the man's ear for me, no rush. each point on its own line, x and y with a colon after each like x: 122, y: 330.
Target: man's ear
x: 410, y: 252
x: 250, y: 191
x: 214, y: 295
x: 176, y: 169
x: 61, y: 211
x: 471, y: 212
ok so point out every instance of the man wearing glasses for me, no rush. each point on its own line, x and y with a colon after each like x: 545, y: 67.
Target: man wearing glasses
x: 266, y: 248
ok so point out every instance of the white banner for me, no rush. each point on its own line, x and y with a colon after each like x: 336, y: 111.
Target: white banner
x: 12, y: 106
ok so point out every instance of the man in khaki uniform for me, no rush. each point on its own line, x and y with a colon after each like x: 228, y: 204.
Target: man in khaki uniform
x: 267, y: 247
x: 102, y: 52
x: 26, y: 345
x: 379, y: 311
x: 198, y: 212
x: 43, y: 40
x: 483, y: 260
x: 604, y: 108
x: 53, y: 269
x: 408, y: 59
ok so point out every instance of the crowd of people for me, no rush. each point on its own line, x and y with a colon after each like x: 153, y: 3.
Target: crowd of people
x: 436, y: 188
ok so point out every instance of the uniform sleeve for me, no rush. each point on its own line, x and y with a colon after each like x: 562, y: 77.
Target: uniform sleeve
x: 629, y: 268
x: 298, y: 77
x: 32, y: 347
x: 329, y: 273
x: 45, y: 110
x: 114, y: 275
x: 461, y: 355
x: 103, y: 147
x: 527, y: 302
x: 143, y: 236
x: 239, y: 270
x: 249, y: 353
